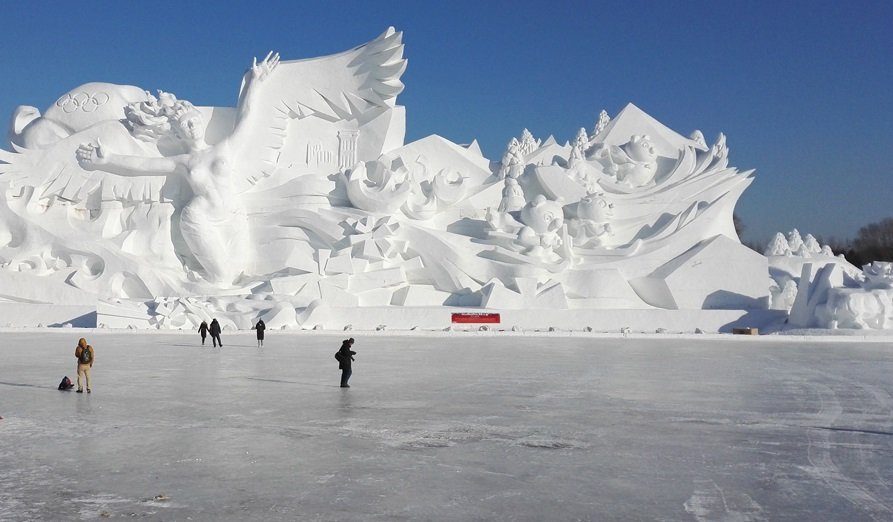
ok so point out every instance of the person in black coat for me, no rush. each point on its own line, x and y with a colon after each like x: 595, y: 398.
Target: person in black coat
x: 345, y: 358
x: 214, y: 330
x: 260, y: 327
x: 203, y: 331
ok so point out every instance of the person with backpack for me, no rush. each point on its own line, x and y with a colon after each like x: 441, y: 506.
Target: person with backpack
x: 345, y: 357
x: 203, y: 331
x: 85, y: 356
x: 260, y: 327
x: 214, y: 330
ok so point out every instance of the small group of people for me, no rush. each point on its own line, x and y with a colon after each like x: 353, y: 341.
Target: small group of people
x: 344, y: 355
x: 86, y: 356
x: 214, y: 329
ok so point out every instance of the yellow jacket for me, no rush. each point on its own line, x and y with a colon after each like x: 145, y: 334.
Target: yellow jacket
x: 82, y: 345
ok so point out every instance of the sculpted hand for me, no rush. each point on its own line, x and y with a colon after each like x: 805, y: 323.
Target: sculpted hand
x: 91, y: 156
x: 260, y: 71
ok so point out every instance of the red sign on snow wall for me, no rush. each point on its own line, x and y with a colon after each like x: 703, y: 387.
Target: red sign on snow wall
x: 475, y: 318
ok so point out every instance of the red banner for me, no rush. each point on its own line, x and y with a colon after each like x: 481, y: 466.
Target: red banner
x: 475, y: 318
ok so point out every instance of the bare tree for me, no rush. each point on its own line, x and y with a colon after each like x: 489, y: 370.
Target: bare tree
x: 739, y: 229
x: 874, y: 241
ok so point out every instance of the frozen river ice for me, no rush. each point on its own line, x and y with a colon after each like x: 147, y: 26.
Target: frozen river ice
x: 460, y: 427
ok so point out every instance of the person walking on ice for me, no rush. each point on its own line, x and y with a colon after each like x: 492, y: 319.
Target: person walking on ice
x: 203, y: 331
x: 214, y: 330
x: 85, y: 356
x: 345, y: 358
x: 260, y: 327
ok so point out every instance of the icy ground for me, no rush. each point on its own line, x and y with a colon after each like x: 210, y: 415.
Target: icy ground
x: 463, y: 427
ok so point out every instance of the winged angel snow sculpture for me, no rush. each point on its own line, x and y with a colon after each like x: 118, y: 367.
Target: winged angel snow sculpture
x: 213, y: 223
x: 104, y: 146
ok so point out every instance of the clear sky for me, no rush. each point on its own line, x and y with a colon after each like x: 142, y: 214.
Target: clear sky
x: 803, y: 90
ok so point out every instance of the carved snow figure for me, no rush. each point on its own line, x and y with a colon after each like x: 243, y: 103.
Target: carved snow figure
x: 543, y: 220
x: 512, y: 196
x: 603, y: 121
x: 592, y: 226
x: 778, y: 246
x: 812, y: 244
x: 578, y: 168
x: 512, y: 161
x: 796, y: 246
x: 878, y: 275
x: 528, y: 143
x: 595, y: 208
x: 578, y: 149
x: 795, y: 242
x: 213, y: 224
x: 634, y: 164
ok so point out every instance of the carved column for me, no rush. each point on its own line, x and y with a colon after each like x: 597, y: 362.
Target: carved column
x: 347, y: 148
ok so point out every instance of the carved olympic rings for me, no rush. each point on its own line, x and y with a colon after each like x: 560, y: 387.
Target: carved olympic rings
x: 82, y: 101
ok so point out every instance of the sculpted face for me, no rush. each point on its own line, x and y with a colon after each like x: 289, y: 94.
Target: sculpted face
x: 595, y: 207
x: 640, y: 148
x: 191, y: 126
x: 543, y: 215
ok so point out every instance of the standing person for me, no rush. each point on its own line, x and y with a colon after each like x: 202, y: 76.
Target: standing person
x: 260, y: 327
x: 345, y: 358
x: 203, y: 331
x: 85, y: 356
x: 214, y: 330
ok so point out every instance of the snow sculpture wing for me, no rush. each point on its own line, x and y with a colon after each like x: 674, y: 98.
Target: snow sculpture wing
x: 342, y: 86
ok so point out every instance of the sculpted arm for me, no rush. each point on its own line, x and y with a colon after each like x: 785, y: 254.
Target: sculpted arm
x: 258, y: 73
x: 95, y: 157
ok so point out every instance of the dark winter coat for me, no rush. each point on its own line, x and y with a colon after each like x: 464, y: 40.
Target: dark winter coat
x: 215, y: 328
x: 345, y: 356
x: 203, y: 328
x: 260, y: 327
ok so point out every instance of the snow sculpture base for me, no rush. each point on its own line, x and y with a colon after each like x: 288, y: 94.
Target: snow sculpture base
x: 239, y: 314
x: 302, y: 203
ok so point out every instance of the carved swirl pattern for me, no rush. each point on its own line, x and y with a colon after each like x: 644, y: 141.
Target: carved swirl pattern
x: 83, y: 101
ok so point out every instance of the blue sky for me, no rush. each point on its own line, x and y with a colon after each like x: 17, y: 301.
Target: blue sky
x: 803, y: 90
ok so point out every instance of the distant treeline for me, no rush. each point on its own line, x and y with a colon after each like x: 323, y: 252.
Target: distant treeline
x: 873, y: 242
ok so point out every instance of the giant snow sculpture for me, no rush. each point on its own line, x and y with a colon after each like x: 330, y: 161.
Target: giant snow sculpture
x: 303, y: 199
